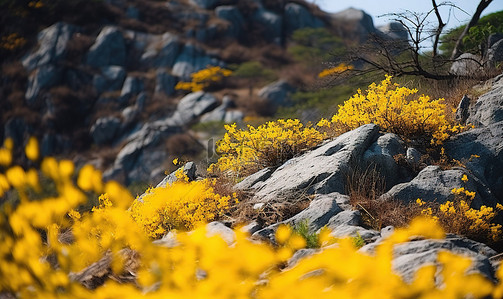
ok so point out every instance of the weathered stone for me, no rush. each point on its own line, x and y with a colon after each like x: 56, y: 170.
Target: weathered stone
x: 192, y: 59
x: 250, y: 181
x: 489, y: 107
x: 317, y: 215
x: 165, y: 82
x: 301, y: 254
x: 272, y: 25
x: 194, y: 105
x: 462, y: 111
x: 132, y: 86
x: 487, y: 144
x: 110, y: 79
x: 216, y: 228
x: 394, y: 31
x: 298, y: 17
x: 161, y: 52
x: 344, y: 231
x: 494, y: 38
x: 379, y: 156
x: 348, y: 217
x: 221, y: 114
x: 105, y: 129
x: 189, y: 169
x: 466, y: 64
x: 433, y: 184
x: 322, y: 170
x: 411, y: 256
x: 108, y: 49
x: 53, y: 42
x: 42, y: 78
x: 495, y: 54
x: 232, y: 15
x: 413, y: 156
x: 358, y: 22
x: 277, y: 93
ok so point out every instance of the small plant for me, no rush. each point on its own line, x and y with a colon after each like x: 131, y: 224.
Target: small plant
x: 302, y: 229
x: 358, y: 241
x: 245, y: 151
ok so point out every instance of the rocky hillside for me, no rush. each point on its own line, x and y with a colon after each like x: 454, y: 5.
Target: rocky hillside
x: 100, y: 87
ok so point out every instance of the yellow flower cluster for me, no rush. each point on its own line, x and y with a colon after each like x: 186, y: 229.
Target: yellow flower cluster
x: 181, y: 205
x: 12, y: 42
x: 458, y: 217
x: 35, y: 264
x: 396, y: 110
x: 204, y: 78
x: 335, y: 70
x: 245, y: 151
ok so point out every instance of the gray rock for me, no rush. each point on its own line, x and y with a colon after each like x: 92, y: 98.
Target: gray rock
x: 466, y: 64
x: 232, y: 15
x: 250, y: 181
x: 189, y: 169
x: 105, y: 129
x: 410, y: 256
x: 322, y: 170
x: 395, y: 31
x: 358, y: 22
x: 233, y: 116
x: 272, y: 25
x: 110, y: 79
x: 487, y: 143
x: 494, y: 38
x: 161, y: 52
x: 347, y: 217
x: 132, y: 86
x: 168, y: 240
x: 495, y: 54
x: 194, y: 105
x: 277, y: 93
x: 317, y: 215
x: 165, y: 82
x: 108, y: 49
x: 192, y: 59
x: 216, y: 228
x: 301, y: 254
x: 488, y: 109
x: 42, y: 78
x: 298, y: 16
x: 413, y: 156
x: 380, y: 156
x: 251, y: 228
x: 52, y: 46
x: 387, y: 231
x: 462, y: 111
x: 435, y: 184
x: 221, y: 114
x: 129, y: 114
x: 351, y: 231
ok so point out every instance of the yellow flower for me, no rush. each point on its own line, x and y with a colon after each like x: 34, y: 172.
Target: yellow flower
x: 31, y: 149
x: 464, y: 178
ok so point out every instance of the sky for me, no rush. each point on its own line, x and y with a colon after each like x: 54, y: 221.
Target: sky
x: 376, y: 8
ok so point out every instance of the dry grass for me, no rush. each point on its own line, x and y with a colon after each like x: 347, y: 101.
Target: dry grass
x: 365, y: 186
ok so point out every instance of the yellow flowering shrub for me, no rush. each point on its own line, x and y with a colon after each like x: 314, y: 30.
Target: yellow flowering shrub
x: 12, y: 42
x: 245, y: 151
x: 182, y: 205
x: 458, y: 217
x: 204, y: 78
x: 335, y: 70
x: 395, y: 109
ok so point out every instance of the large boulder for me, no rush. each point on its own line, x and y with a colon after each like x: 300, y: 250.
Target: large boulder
x: 495, y: 54
x: 165, y: 82
x: 193, y: 106
x: 105, y: 129
x: 356, y: 22
x: 108, y: 49
x: 433, y: 184
x: 162, y: 52
x: 409, y: 257
x: 232, y: 15
x: 222, y: 114
x: 277, y: 93
x: 394, y: 31
x: 466, y: 64
x: 192, y: 59
x: 271, y: 25
x: 298, y: 17
x: 131, y: 87
x: 322, y: 170
x: 489, y: 107
x: 42, y: 78
x: 481, y: 151
x: 110, y: 79
x: 52, y: 46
